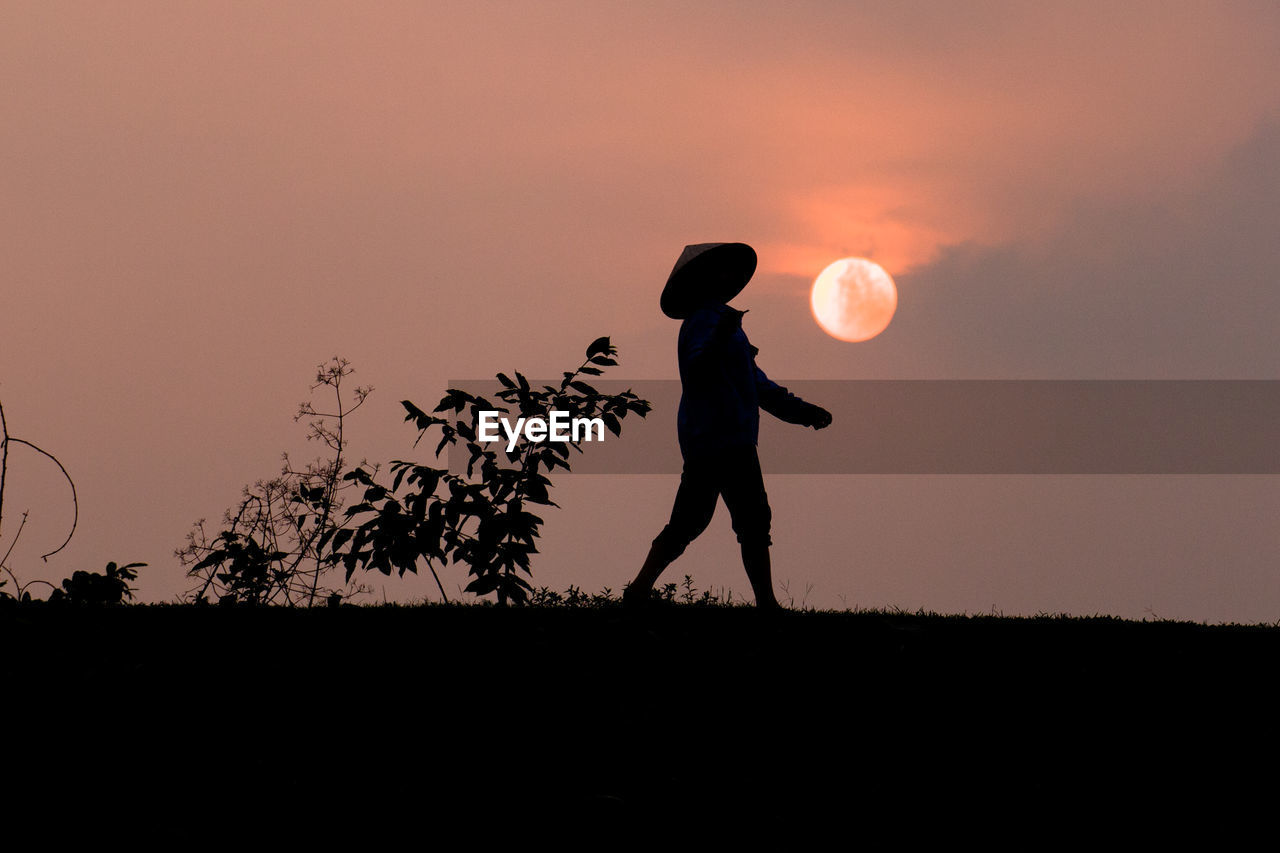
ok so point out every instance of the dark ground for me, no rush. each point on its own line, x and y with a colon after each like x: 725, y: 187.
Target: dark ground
x: 579, y: 713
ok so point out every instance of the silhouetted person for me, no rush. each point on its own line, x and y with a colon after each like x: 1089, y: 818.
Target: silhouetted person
x: 719, y: 419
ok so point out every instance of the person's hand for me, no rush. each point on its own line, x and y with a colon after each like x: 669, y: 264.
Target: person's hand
x: 819, y: 418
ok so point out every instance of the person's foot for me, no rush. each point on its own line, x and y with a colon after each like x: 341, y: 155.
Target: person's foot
x: 634, y: 597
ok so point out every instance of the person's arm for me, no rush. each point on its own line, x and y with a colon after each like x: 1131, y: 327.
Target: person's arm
x: 785, y: 406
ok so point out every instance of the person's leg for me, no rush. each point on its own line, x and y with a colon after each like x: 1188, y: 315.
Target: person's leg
x: 694, y: 506
x: 742, y: 486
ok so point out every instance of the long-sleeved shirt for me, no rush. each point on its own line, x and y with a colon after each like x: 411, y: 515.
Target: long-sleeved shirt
x: 722, y: 389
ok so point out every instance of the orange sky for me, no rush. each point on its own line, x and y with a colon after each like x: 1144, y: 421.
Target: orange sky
x: 203, y: 201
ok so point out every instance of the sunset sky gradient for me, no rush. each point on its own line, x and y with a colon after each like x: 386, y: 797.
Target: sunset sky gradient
x: 202, y: 202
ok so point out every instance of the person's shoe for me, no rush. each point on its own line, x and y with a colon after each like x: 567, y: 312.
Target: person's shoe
x: 634, y: 598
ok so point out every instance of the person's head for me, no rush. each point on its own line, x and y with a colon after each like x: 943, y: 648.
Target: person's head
x: 707, y: 274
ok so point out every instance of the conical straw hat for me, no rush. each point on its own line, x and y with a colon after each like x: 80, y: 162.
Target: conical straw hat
x: 695, y: 280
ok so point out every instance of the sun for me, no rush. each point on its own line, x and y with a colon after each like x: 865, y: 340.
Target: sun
x: 853, y: 299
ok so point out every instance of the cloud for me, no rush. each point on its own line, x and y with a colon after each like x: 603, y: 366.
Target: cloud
x: 1178, y: 285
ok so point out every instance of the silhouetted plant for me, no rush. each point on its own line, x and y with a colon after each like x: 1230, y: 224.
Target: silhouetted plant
x: 573, y: 597
x: 683, y: 593
x: 20, y: 587
x: 20, y: 592
x: 686, y: 593
x: 269, y: 550
x: 111, y: 586
x: 480, y: 518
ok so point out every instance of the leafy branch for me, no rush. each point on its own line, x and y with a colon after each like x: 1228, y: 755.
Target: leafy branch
x: 479, y: 518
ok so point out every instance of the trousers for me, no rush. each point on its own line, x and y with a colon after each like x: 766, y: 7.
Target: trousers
x: 731, y: 473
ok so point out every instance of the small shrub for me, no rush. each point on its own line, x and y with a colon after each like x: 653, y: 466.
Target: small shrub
x: 270, y: 548
x: 480, y: 518
x: 110, y: 586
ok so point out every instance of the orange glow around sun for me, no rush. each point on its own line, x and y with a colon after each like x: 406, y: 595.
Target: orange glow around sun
x: 899, y: 224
